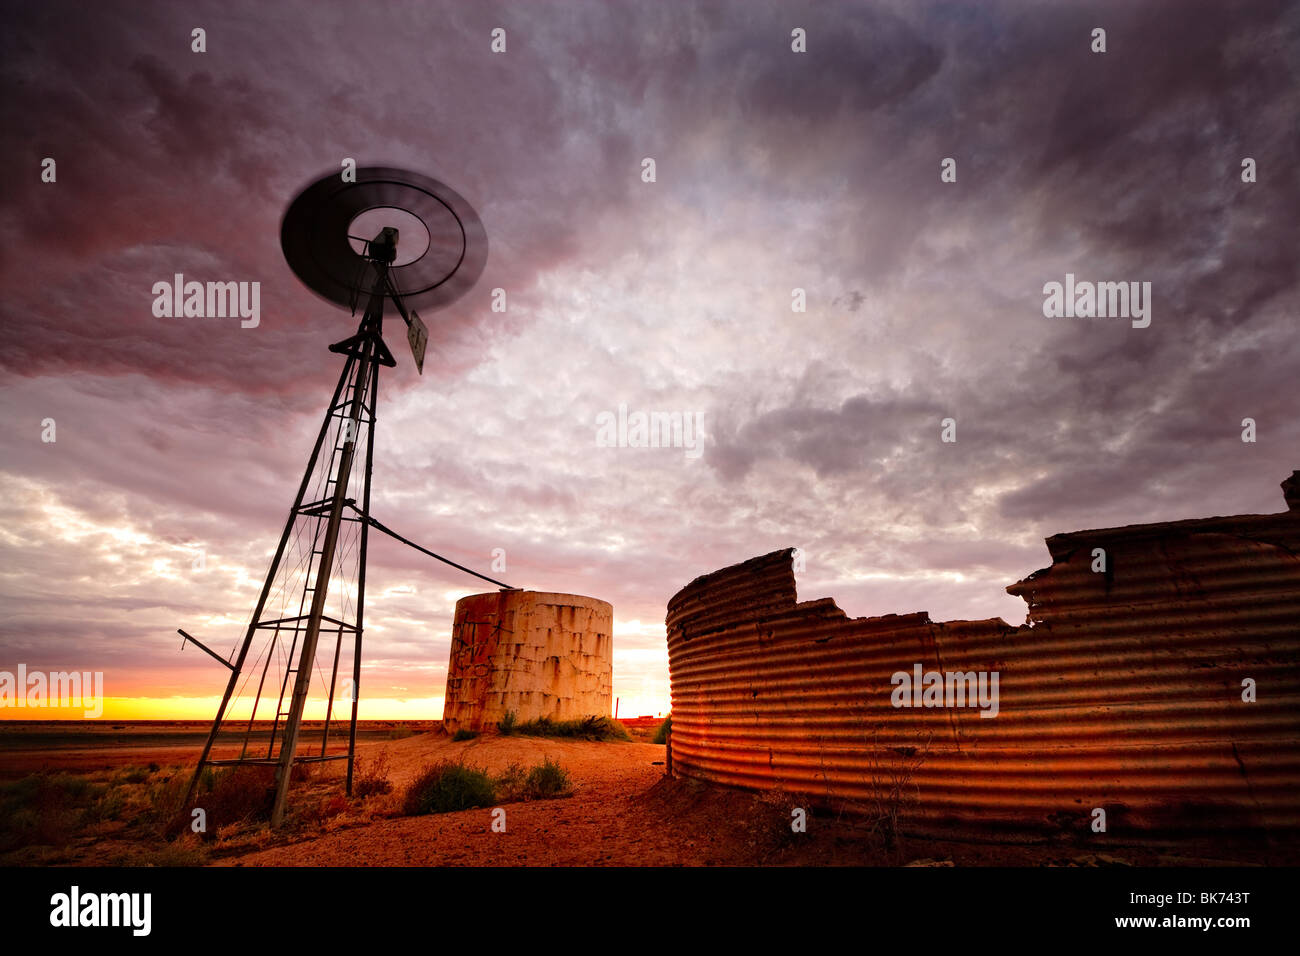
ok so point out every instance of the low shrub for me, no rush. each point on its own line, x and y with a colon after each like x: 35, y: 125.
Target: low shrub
x: 463, y: 734
x: 132, y: 775
x: 546, y: 780
x: 45, y: 809
x: 238, y: 794
x: 510, y: 782
x: 446, y: 787
x: 162, y: 804
x: 319, y: 811
x: 370, y: 777
x: 110, y: 806
x: 179, y: 853
x: 543, y: 781
x: 661, y: 735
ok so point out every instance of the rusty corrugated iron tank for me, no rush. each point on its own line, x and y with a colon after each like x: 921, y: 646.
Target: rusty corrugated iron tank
x: 1124, y: 692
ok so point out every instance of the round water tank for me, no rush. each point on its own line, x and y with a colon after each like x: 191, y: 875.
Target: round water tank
x: 536, y: 653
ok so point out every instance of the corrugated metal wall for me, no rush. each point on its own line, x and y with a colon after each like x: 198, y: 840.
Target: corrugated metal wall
x: 1125, y: 694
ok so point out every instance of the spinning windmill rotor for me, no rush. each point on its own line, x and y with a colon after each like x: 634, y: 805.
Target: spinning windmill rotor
x: 390, y: 236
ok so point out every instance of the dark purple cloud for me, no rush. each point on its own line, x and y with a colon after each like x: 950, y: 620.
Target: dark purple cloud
x: 775, y: 170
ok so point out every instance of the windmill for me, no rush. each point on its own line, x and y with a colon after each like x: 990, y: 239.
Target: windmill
x: 316, y: 582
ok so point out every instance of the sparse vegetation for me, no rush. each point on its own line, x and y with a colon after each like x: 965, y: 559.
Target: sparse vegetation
x: 893, y: 787
x: 234, y: 795
x: 370, y: 777
x: 510, y: 782
x: 44, y: 814
x: 179, y: 853
x: 319, y: 811
x: 661, y: 735
x: 583, y: 728
x: 163, y: 796
x: 446, y: 787
x: 131, y: 814
x: 110, y: 806
x: 506, y: 725
x: 544, y: 781
x: 463, y: 734
x: 238, y: 794
x: 133, y: 775
x: 548, y: 779
x: 44, y: 809
x: 400, y: 732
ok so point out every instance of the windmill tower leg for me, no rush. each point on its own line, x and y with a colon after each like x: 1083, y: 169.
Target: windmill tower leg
x: 361, y: 581
x: 357, y: 388
x: 270, y: 580
x: 303, y: 678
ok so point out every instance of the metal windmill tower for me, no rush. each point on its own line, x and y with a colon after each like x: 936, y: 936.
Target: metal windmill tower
x: 316, y: 583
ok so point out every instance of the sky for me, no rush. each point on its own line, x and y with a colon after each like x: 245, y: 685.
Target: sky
x: 774, y: 171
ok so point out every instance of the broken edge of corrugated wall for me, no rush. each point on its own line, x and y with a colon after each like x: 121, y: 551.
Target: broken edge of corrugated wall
x: 1124, y: 694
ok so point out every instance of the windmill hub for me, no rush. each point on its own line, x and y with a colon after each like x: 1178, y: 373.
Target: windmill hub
x: 383, y: 248
x: 415, y: 237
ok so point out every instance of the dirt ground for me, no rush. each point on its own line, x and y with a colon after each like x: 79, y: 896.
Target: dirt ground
x: 596, y: 825
x: 623, y: 812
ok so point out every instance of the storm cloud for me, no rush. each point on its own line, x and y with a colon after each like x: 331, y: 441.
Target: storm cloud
x: 776, y: 171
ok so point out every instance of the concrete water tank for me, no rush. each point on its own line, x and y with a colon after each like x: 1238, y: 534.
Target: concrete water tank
x: 537, y: 653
